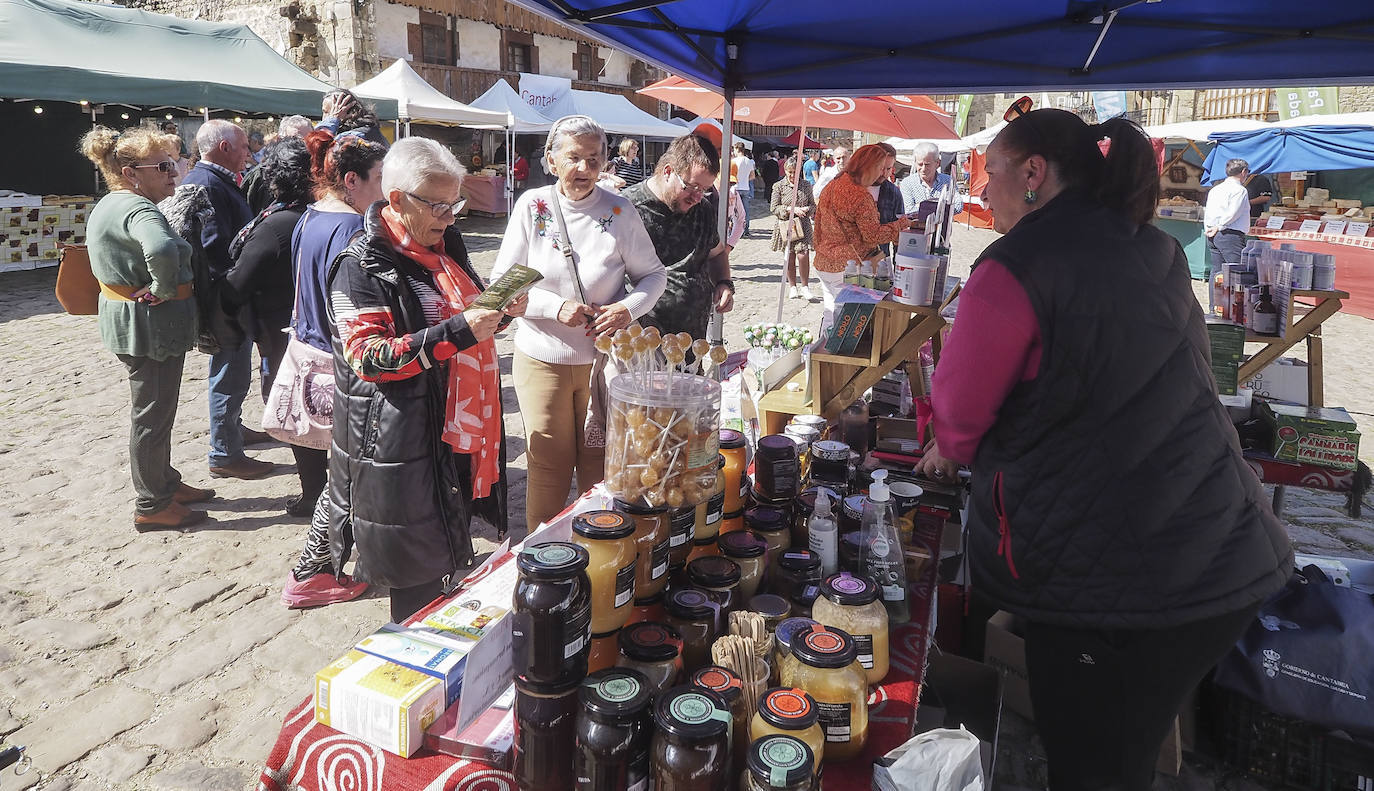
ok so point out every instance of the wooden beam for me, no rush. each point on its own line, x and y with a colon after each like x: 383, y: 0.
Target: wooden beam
x: 910, y: 341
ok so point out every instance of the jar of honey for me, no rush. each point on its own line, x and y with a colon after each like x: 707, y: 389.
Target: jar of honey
x: 608, y: 538
x: 732, y: 447
x: 652, y: 544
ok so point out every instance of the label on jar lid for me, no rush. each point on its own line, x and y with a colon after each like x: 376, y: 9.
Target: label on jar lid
x: 834, y: 719
x: 694, y: 709
x: 788, y: 704
x: 845, y: 583
x: 864, y: 644
x: 716, y: 679
x: 783, y: 758
x: 658, y: 562
x: 551, y: 554
x: 618, y: 689
x: 625, y: 584
x: 830, y: 450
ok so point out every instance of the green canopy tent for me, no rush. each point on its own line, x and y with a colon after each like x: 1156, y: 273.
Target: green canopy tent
x: 103, y: 54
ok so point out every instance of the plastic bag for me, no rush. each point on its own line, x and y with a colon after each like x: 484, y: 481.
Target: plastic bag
x: 938, y: 760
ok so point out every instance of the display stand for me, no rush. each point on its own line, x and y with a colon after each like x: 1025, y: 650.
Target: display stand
x: 830, y: 382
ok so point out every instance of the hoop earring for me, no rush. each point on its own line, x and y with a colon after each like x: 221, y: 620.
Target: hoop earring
x: 1030, y: 196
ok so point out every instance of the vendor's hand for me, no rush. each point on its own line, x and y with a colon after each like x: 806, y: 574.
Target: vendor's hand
x: 936, y: 467
x: 610, y: 318
x: 575, y: 314
x: 799, y: 211
x: 482, y: 322
x: 724, y: 298
x: 517, y: 306
x: 146, y: 296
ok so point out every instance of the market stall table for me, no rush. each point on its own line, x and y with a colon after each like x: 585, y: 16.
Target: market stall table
x: 1189, y: 235
x: 308, y: 756
x: 485, y: 194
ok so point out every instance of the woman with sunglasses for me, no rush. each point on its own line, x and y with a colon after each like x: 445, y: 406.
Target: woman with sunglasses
x: 147, y: 318
x: 1111, y: 507
x: 576, y: 301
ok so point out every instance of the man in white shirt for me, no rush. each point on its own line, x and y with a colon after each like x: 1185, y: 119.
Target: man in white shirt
x: 841, y: 155
x: 743, y: 167
x: 1226, y: 220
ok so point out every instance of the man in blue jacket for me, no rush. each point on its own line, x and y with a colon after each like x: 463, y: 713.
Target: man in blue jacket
x: 224, y: 153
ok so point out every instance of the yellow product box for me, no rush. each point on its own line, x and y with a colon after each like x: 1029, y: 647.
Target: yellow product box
x: 472, y: 612
x: 381, y: 703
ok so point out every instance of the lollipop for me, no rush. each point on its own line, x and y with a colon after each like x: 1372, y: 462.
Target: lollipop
x: 718, y: 355
x: 603, y: 344
x: 684, y: 340
x: 623, y: 336
x: 634, y: 329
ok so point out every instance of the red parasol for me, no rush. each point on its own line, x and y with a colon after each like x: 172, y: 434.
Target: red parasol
x: 793, y: 139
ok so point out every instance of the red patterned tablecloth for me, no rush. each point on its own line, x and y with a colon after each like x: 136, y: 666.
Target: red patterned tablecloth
x: 308, y: 756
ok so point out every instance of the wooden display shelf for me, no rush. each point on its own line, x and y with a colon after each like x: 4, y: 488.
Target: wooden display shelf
x: 1304, y: 324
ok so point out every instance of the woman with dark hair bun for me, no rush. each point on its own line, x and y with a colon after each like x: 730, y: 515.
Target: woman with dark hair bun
x: 1111, y: 507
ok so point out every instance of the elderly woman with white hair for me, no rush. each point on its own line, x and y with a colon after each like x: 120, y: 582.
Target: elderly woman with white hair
x: 419, y: 450
x: 926, y: 181
x: 575, y: 302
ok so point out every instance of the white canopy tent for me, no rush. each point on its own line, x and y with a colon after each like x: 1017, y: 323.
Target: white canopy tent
x: 977, y: 140
x: 420, y: 102
x: 616, y: 114
x: 502, y: 98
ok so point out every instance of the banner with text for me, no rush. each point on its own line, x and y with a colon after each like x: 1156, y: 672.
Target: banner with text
x: 961, y: 113
x: 542, y: 92
x: 1109, y: 104
x: 1294, y: 102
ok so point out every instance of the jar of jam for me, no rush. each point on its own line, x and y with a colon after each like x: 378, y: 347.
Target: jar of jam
x: 613, y: 731
x: 650, y: 609
x: 824, y: 663
x: 733, y: 522
x: 747, y: 549
x: 785, y: 504
x: 818, y: 422
x: 796, y: 576
x: 608, y: 538
x: 780, y: 763
x: 803, y: 436
x: 681, y: 528
x: 851, y: 513
x: 691, y: 748
x: 725, y: 682
x: 551, y: 613
x: 718, y: 578
x: 545, y: 734
x: 773, y: 525
x: 653, y: 649
x: 851, y: 602
x: 732, y: 447
x: 652, y: 542
x: 782, y: 640
x: 789, y: 711
x: 777, y: 474
x: 829, y: 463
x: 774, y: 609
x: 695, y: 617
x: 605, y: 648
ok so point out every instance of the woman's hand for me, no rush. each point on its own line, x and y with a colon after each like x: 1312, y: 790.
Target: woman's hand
x: 612, y: 317
x: 800, y: 211
x: 936, y: 467
x: 575, y: 314
x: 147, y: 297
x: 517, y: 306
x: 482, y: 322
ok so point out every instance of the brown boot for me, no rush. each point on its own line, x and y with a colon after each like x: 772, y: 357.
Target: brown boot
x: 186, y: 494
x: 246, y: 468
x: 173, y: 517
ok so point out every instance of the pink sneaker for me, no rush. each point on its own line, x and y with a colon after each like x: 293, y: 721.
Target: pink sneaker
x: 319, y: 590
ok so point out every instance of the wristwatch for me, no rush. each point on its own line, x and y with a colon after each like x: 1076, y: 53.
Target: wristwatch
x: 726, y: 281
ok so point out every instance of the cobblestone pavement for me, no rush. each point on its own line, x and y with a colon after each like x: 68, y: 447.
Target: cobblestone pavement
x: 166, y: 660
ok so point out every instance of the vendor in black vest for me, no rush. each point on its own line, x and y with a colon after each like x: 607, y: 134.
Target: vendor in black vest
x: 1111, y: 506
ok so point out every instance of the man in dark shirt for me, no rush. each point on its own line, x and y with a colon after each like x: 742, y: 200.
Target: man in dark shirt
x: 1261, y: 191
x: 683, y: 227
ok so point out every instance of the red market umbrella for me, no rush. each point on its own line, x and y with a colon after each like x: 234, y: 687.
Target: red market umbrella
x: 793, y: 139
x: 905, y: 116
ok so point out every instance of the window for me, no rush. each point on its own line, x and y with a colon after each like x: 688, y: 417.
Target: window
x: 584, y: 67
x: 518, y: 57
x: 434, y: 45
x: 585, y: 63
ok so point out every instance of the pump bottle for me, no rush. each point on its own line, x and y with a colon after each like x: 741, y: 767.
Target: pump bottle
x: 880, y: 549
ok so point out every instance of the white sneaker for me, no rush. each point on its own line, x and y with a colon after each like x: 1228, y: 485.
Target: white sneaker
x: 808, y: 295
x: 793, y: 293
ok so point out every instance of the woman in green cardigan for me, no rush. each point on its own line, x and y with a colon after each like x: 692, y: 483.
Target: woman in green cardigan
x: 146, y: 317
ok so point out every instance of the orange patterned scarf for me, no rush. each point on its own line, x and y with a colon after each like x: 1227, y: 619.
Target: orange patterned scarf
x: 472, y: 414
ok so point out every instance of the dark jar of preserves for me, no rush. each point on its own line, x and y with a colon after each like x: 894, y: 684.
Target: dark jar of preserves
x: 697, y: 619
x: 718, y: 577
x: 777, y: 472
x: 613, y: 731
x: 551, y: 619
x: 681, y: 528
x: 796, y: 576
x: 780, y: 763
x: 654, y: 650
x: 691, y: 749
x: 545, y: 734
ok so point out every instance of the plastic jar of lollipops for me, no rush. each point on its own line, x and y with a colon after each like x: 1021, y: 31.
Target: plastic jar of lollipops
x: 662, y: 438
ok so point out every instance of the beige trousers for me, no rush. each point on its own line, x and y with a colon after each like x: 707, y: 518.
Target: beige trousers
x: 553, y: 404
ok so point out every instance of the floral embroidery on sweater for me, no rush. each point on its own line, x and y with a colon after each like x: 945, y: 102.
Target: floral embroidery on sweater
x: 604, y: 223
x: 543, y: 218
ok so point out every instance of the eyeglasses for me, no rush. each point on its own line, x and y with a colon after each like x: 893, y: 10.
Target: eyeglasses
x: 692, y: 189
x: 165, y: 166
x: 440, y: 208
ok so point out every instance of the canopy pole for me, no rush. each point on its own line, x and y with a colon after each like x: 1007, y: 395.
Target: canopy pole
x: 1101, y: 34
x: 715, y: 333
x: 510, y: 171
x: 791, y: 208
x: 398, y: 128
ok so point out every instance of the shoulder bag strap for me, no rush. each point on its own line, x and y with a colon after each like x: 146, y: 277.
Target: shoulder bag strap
x: 565, y: 243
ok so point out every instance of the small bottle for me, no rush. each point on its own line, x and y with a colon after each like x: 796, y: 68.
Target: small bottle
x: 882, y: 275
x: 1238, y: 304
x: 1266, y: 315
x: 866, y: 273
x: 1219, y: 294
x: 880, y: 549
x: 851, y: 272
x: 823, y: 534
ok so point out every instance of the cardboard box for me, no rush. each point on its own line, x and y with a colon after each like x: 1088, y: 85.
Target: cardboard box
x: 381, y: 703
x: 414, y: 649
x: 467, y: 617
x: 958, y: 691
x: 1282, y: 380
x: 1323, y: 436
x: 1227, y: 342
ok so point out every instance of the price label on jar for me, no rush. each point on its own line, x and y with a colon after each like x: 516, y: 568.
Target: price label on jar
x: 1274, y: 224
x: 1335, y: 227
x: 1310, y: 226
x: 1356, y: 228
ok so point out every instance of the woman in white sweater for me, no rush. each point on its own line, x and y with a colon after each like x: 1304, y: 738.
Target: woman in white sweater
x: 554, y: 340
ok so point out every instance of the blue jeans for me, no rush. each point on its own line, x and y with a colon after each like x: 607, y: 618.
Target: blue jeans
x: 231, y: 372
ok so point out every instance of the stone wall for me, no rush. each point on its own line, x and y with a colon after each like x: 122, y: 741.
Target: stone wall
x: 1357, y: 98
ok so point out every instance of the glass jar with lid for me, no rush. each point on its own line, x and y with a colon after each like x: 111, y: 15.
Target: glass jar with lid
x: 613, y: 733
x: 717, y: 577
x: 789, y: 711
x: 691, y: 748
x: 551, y: 613
x: 608, y: 538
x: 652, y: 544
x: 695, y: 617
x: 725, y: 682
x: 711, y: 510
x: 772, y: 607
x: 785, y: 504
x: 545, y: 741
x: 732, y: 447
x: 780, y: 763
x: 655, y: 650
x: 782, y: 636
x: 747, y: 549
x: 776, y: 469
x: 829, y: 463
x: 796, y: 576
x: 681, y: 530
x: 824, y: 663
x: 851, y: 602
x: 772, y: 524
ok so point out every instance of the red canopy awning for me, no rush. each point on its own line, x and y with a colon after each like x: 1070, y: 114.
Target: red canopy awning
x: 793, y: 139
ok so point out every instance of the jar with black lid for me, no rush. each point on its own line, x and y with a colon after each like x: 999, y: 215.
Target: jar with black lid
x: 796, y: 576
x: 613, y: 731
x: 545, y: 742
x: 782, y: 642
x: 551, y: 616
x: 773, y: 525
x: 717, y: 577
x: 780, y: 763
x: 691, y: 748
x: 777, y: 474
x: 785, y: 504
x: 747, y: 549
x: 608, y: 537
x: 654, y: 650
x: 725, y: 682
x: 829, y: 463
x: 824, y: 663
x: 789, y: 711
x: 851, y: 602
x: 652, y: 544
x: 696, y: 618
x: 774, y: 609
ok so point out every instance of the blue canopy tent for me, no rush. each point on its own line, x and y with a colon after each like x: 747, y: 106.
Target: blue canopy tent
x: 1279, y: 150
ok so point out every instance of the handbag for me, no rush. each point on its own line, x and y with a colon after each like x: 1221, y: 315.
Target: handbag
x: 793, y: 231
x: 300, y: 405
x: 78, y: 292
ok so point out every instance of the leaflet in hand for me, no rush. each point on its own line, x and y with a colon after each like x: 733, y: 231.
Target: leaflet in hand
x: 516, y: 281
